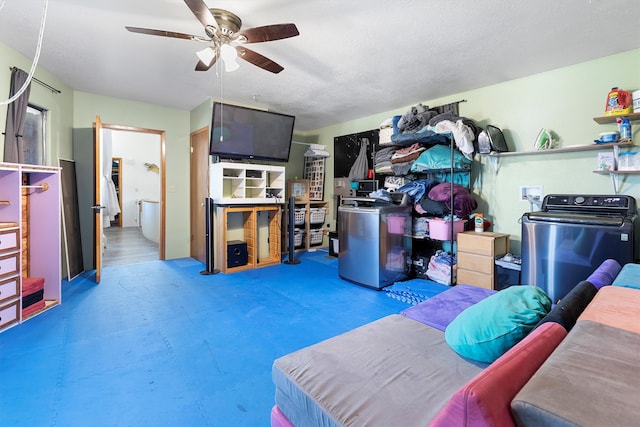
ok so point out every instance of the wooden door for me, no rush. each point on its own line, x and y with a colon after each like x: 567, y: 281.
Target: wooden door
x: 97, y: 206
x: 199, y: 179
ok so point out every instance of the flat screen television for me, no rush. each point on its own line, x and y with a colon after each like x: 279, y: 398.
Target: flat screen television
x: 246, y: 133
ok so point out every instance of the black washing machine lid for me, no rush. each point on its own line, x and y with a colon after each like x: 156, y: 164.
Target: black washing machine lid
x: 576, y: 218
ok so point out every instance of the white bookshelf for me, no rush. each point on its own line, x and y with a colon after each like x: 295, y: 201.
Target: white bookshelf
x: 240, y: 183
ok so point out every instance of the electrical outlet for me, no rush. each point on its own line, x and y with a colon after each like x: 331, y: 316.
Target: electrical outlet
x: 530, y: 193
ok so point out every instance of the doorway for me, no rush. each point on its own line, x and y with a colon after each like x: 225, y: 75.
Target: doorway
x: 136, y: 232
x: 199, y: 180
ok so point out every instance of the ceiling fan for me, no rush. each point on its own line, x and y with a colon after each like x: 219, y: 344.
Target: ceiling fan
x: 226, y: 41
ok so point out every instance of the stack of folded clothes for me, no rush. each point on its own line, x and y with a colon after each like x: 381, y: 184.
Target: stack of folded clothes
x: 32, y: 295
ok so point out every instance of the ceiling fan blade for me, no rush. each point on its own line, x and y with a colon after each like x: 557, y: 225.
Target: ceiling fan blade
x: 258, y: 60
x: 164, y: 33
x: 201, y: 66
x: 202, y: 12
x: 267, y: 33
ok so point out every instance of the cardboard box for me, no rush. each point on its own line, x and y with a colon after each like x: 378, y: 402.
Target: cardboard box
x: 606, y: 162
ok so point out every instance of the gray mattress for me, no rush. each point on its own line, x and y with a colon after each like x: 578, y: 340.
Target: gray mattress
x: 591, y: 379
x: 391, y: 372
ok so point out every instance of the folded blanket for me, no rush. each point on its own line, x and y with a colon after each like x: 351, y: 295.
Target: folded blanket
x: 32, y: 298
x: 406, y: 158
x: 32, y: 284
x: 33, y: 308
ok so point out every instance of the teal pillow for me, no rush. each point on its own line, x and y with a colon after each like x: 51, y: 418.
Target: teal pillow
x: 487, y: 329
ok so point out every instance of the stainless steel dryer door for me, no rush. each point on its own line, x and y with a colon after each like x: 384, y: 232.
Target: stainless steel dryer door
x: 559, y: 252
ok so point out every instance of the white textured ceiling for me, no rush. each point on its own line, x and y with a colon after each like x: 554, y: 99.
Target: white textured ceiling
x: 352, y: 58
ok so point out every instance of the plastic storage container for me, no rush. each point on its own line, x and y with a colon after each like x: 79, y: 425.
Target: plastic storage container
x: 636, y: 101
x: 440, y: 229
x: 315, y: 236
x: 396, y: 224
x: 298, y: 216
x: 298, y: 238
x: 316, y: 215
x: 626, y: 161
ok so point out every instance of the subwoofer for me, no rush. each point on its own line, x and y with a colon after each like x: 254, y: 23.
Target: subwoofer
x: 237, y: 254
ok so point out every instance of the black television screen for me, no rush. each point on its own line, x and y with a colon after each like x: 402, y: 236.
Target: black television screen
x: 245, y: 133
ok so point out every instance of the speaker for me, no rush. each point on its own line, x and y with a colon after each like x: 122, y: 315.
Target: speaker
x: 208, y: 215
x: 237, y: 254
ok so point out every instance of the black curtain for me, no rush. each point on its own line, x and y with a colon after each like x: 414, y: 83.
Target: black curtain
x: 16, y: 114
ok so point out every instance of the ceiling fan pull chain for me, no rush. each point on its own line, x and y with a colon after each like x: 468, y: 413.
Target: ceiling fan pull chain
x: 221, y: 104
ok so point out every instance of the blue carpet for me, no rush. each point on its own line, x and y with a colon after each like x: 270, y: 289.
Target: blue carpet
x: 158, y: 344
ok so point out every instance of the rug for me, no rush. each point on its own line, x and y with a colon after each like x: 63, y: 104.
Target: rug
x: 414, y: 291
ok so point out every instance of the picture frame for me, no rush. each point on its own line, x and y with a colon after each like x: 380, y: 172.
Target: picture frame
x: 299, y: 189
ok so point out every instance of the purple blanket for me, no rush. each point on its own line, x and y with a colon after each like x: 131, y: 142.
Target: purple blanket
x: 441, y: 309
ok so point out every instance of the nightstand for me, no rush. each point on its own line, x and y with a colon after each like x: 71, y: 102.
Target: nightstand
x: 476, y: 257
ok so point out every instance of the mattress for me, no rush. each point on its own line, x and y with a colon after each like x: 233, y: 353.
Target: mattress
x: 391, y: 372
x: 615, y: 306
x: 591, y: 379
x: 629, y: 276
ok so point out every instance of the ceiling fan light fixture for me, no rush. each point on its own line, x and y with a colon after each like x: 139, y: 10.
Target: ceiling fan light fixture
x: 207, y: 55
x: 229, y: 56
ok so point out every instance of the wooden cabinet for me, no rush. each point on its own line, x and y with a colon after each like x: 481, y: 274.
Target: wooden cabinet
x: 258, y: 226
x: 29, y: 240
x: 243, y: 183
x: 476, y: 257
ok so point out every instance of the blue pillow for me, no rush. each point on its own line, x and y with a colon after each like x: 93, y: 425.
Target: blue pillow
x: 487, y: 329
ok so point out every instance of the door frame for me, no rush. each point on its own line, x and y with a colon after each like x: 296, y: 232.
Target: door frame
x: 163, y: 177
x: 197, y: 204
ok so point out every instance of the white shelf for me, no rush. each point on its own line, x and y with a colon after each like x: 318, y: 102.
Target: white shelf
x: 240, y: 184
x: 570, y: 149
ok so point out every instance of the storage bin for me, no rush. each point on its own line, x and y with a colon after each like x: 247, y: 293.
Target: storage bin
x: 316, y: 215
x: 627, y: 161
x: 298, y: 216
x: 440, y: 229
x: 315, y: 236
x: 396, y: 223
x: 298, y: 238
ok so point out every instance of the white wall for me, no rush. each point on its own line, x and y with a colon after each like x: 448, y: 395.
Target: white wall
x: 136, y: 181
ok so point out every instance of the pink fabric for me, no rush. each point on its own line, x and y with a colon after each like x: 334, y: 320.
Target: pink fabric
x: 33, y: 308
x: 31, y: 285
x: 278, y: 419
x: 486, y: 399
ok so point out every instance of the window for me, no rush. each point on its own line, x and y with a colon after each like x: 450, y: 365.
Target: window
x: 34, y: 135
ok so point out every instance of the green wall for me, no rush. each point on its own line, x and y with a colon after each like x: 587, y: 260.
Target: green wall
x: 564, y: 100
x: 176, y: 124
x: 60, y: 105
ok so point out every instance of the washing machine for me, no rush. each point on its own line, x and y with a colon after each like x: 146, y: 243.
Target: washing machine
x: 572, y: 234
x: 375, y: 240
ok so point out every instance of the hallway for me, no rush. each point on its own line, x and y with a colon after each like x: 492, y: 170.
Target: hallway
x: 128, y: 246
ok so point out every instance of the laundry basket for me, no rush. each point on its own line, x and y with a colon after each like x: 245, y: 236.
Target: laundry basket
x: 316, y: 215
x: 298, y: 238
x: 315, y: 236
x: 298, y: 216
